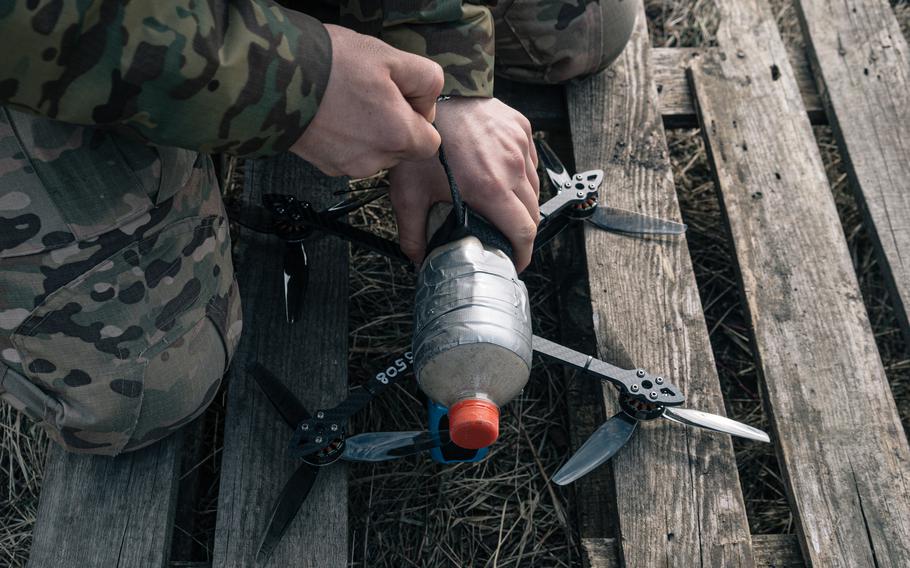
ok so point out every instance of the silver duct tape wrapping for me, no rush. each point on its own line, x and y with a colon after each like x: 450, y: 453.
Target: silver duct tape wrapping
x: 472, y: 323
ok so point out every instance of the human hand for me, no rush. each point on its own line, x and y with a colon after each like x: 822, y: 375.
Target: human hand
x: 489, y: 148
x: 377, y: 109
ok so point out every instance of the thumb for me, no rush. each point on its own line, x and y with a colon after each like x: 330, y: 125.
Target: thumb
x: 420, y: 81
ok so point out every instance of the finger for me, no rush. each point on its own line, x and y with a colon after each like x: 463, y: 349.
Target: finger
x: 425, y: 141
x: 510, y: 215
x: 411, y: 215
x: 420, y: 81
x: 529, y: 132
x: 415, y: 139
x: 534, y: 184
x: 528, y: 194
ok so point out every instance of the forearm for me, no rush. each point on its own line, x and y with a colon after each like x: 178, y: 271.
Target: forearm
x: 236, y: 76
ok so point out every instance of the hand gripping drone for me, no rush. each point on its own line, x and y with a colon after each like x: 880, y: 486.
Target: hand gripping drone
x: 321, y: 439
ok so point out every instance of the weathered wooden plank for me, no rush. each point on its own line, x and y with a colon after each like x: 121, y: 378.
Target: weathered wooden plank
x: 545, y: 105
x: 675, y: 96
x: 777, y: 551
x: 311, y: 357
x: 840, y: 442
x: 679, y: 500
x: 98, y: 511
x: 593, y: 505
x: 862, y: 66
x: 771, y: 551
x: 600, y: 553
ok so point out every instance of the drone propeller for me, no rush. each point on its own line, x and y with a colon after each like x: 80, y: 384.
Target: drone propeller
x: 642, y: 396
x: 290, y: 500
x: 385, y: 446
x: 357, y: 201
x: 629, y: 222
x: 296, y: 271
x: 580, y: 190
x: 284, y: 401
x: 600, y: 447
x: 372, y: 447
x: 293, y: 220
x: 297, y: 488
x: 329, y: 443
x: 613, y: 434
x: 716, y: 423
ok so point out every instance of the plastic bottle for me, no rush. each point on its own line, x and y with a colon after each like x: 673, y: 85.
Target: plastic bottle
x: 472, y: 337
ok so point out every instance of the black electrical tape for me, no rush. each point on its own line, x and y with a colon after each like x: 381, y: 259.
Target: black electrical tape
x: 463, y: 222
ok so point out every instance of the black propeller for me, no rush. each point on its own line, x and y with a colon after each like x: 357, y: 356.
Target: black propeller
x: 370, y: 447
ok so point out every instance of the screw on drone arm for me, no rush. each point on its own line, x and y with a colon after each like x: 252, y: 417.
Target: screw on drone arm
x: 317, y: 433
x: 634, y: 383
x: 295, y: 219
x: 613, y: 434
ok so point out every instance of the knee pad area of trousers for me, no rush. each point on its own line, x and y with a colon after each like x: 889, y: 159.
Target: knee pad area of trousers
x: 538, y: 44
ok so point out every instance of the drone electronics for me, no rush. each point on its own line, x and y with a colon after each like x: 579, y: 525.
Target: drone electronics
x: 320, y: 439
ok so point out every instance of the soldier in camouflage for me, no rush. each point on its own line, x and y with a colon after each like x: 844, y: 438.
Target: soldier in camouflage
x: 119, y: 312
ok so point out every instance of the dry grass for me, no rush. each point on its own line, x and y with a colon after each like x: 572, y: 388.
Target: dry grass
x: 22, y: 452
x: 503, y: 512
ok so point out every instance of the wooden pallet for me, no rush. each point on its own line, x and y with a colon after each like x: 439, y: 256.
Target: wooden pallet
x: 841, y: 446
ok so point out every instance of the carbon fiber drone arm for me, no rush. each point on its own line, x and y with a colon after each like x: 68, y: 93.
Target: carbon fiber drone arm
x: 296, y: 218
x: 327, y: 425
x: 637, y: 384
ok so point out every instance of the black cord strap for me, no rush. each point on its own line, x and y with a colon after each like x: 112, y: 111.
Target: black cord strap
x: 462, y: 222
x: 457, y: 203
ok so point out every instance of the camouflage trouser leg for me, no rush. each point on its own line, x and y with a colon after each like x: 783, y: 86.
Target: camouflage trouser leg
x: 547, y: 41
x: 119, y: 312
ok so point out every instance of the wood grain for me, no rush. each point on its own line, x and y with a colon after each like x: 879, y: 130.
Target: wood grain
x: 862, y: 66
x: 98, y: 511
x: 311, y: 358
x: 771, y: 551
x: 679, y: 500
x: 545, y: 105
x: 675, y: 96
x: 841, y: 446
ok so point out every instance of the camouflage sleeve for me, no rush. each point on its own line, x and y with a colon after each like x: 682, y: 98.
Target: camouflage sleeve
x: 237, y: 76
x: 457, y: 35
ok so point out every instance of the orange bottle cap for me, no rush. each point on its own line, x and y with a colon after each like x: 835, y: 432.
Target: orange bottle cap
x: 474, y: 423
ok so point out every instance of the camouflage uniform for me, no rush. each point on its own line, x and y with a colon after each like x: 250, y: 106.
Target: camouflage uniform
x: 535, y: 41
x: 119, y: 311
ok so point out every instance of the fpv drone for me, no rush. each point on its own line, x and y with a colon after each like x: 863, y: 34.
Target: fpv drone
x: 321, y: 439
